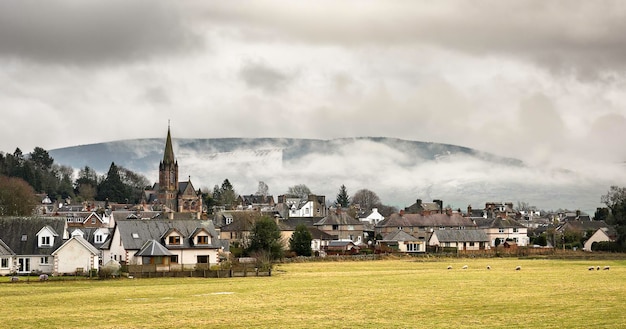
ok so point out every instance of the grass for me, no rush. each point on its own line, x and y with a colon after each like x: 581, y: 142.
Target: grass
x: 374, y: 294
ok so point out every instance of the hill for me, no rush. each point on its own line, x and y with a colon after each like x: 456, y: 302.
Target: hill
x: 399, y: 171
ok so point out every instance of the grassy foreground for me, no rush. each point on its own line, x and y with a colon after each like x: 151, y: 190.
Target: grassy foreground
x: 405, y: 293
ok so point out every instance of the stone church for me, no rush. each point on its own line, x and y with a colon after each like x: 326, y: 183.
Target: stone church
x: 170, y: 195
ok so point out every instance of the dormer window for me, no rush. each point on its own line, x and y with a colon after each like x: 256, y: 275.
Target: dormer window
x: 174, y: 239
x: 45, y: 240
x: 24, y: 237
x: 98, y: 238
x: 203, y: 239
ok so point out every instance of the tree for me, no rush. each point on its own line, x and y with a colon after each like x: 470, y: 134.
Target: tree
x: 366, y: 199
x: 17, y: 197
x: 227, y: 194
x: 41, y: 158
x: 302, y: 191
x: 265, y: 238
x: 343, y: 199
x: 112, y: 187
x: 263, y: 189
x: 602, y: 213
x: 300, y: 241
x: 615, y: 200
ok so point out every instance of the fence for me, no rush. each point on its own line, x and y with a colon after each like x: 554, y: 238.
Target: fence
x: 193, y: 270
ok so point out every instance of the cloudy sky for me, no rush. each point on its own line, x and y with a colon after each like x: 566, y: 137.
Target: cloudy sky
x: 542, y: 81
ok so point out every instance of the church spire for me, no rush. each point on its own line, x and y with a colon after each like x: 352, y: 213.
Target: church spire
x: 168, y: 156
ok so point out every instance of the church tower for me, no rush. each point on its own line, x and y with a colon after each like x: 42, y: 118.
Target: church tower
x: 168, y: 176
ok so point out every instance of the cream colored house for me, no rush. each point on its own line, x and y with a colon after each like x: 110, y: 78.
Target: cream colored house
x: 600, y: 235
x: 76, y: 255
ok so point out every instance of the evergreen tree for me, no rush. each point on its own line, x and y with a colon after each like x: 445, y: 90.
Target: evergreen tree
x: 265, y: 238
x: 342, y: 198
x: 111, y: 187
x: 300, y: 241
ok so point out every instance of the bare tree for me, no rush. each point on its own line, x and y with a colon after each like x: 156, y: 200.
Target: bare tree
x: 366, y: 199
x: 300, y: 190
x: 263, y: 189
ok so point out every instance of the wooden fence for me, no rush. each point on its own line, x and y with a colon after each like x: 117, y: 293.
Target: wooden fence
x: 195, y: 270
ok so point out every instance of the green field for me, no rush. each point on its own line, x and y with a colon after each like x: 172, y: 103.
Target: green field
x: 401, y: 293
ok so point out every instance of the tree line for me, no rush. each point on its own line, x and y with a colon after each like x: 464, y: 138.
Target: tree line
x: 22, y: 176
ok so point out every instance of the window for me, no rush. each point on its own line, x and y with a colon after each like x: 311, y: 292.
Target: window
x: 203, y: 239
x: 23, y: 264
x: 135, y: 236
x: 44, y: 260
x: 174, y: 259
x: 471, y: 244
x: 174, y: 239
x: 515, y: 230
x: 45, y: 240
x: 335, y: 227
x: 24, y: 237
x: 229, y: 220
x: 93, y: 220
x: 412, y: 247
x: 4, y: 263
x: 446, y: 244
x: 98, y: 238
x: 203, y: 260
x: 500, y: 230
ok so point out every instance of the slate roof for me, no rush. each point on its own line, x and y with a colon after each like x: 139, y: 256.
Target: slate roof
x: 153, y: 248
x: 5, y: 250
x: 461, y: 235
x: 498, y: 222
x: 399, y: 235
x: 134, y: 233
x: 583, y: 225
x: 13, y: 228
x: 320, y: 235
x: 432, y: 220
x: 89, y: 234
x: 340, y: 218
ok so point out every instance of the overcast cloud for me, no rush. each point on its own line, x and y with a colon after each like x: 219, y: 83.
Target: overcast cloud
x: 542, y: 81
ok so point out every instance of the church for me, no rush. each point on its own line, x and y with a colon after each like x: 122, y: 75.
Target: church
x: 169, y: 195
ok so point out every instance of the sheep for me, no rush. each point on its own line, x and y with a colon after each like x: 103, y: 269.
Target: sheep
x: 450, y: 267
x: 607, y: 268
x: 465, y: 267
x: 591, y: 268
x: 598, y: 268
x: 518, y: 268
x: 488, y: 267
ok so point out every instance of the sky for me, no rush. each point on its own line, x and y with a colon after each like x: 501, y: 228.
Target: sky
x: 541, y: 81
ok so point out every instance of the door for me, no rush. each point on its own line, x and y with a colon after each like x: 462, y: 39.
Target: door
x: 24, y: 264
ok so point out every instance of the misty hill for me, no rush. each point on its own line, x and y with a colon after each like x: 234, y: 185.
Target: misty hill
x: 399, y: 171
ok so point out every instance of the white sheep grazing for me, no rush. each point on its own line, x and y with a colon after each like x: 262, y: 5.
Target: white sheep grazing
x: 598, y: 268
x: 607, y: 268
x: 465, y: 267
x: 488, y: 267
x: 591, y: 268
x: 449, y: 267
x: 518, y: 268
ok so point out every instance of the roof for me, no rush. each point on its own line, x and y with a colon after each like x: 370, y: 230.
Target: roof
x: 583, y: 225
x: 153, y: 248
x: 13, y: 228
x: 134, y: 233
x: 338, y: 218
x: 498, y: 222
x: 81, y: 241
x: 5, y: 250
x: 461, y: 235
x: 318, y: 234
x: 399, y: 235
x: 340, y: 243
x: 432, y: 220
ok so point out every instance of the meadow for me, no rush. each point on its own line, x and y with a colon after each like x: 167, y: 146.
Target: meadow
x: 396, y: 293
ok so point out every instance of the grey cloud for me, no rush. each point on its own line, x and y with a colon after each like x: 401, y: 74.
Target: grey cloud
x: 261, y: 76
x: 91, y: 32
x: 582, y: 37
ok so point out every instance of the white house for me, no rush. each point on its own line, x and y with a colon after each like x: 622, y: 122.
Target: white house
x: 76, y: 255
x: 600, y: 235
x: 405, y: 242
x: 374, y: 217
x: 189, y: 242
x: 465, y: 240
x: 7, y: 257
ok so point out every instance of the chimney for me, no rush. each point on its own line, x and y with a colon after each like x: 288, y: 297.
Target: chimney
x: 418, y: 205
x: 469, y: 210
x: 401, y: 212
x: 449, y: 211
x: 440, y: 203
